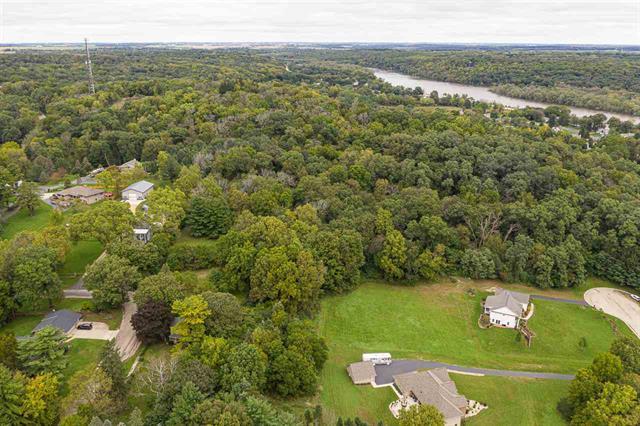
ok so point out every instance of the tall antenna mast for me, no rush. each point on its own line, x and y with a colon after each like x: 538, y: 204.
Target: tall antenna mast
x: 92, y: 84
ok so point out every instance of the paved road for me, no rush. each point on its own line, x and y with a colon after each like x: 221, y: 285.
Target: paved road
x: 617, y: 303
x: 558, y: 299
x: 77, y: 293
x: 385, y: 373
x: 126, y: 341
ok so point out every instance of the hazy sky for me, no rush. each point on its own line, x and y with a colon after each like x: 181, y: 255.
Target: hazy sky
x: 523, y: 21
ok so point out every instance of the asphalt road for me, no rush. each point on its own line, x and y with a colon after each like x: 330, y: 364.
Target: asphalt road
x: 126, y: 341
x: 558, y: 299
x: 385, y: 373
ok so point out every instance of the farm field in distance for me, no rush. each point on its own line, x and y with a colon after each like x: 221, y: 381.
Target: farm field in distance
x: 438, y: 322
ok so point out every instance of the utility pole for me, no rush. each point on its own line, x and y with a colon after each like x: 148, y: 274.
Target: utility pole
x: 92, y: 84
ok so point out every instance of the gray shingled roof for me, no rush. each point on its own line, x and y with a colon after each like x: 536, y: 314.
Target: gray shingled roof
x: 509, y: 299
x: 433, y: 387
x: 362, y: 372
x: 63, y: 319
x: 80, y: 191
x: 141, y: 186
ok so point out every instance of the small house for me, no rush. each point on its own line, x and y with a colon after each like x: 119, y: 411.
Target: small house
x: 64, y: 320
x: 362, y: 373
x: 137, y: 191
x: 142, y: 234
x: 130, y: 165
x: 174, y: 338
x: 506, y: 308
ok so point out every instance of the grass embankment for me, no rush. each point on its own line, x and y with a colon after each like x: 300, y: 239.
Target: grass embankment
x: 81, y: 255
x: 83, y: 354
x: 439, y: 322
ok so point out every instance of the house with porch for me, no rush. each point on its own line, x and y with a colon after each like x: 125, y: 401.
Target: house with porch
x: 507, y: 308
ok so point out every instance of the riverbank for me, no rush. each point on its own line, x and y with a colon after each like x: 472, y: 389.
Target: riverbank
x: 481, y: 93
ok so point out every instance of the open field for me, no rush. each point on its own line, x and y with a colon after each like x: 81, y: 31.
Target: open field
x: 439, y: 322
x: 21, y: 221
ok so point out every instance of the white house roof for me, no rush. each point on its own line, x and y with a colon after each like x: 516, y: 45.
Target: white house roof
x: 511, y: 300
x: 141, y: 186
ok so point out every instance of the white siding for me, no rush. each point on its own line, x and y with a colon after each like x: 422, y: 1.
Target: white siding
x: 503, y: 320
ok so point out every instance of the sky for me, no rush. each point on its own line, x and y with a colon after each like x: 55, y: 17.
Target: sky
x: 436, y: 21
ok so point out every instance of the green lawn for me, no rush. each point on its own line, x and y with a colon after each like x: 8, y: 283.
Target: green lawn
x: 513, y: 401
x: 439, y: 322
x: 22, y: 325
x: 82, y: 254
x: 83, y: 353
x: 21, y: 221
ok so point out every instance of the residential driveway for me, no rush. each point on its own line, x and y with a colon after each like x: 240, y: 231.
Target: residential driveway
x: 385, y: 373
x: 126, y: 341
x: 558, y: 299
x: 100, y: 331
x: 133, y: 205
x: 77, y: 293
x: 617, y: 303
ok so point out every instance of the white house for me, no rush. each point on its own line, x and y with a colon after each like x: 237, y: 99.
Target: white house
x: 506, y: 308
x: 137, y: 191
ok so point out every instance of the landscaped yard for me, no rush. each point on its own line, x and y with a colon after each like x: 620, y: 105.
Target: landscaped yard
x: 21, y: 221
x: 82, y: 354
x: 513, y: 401
x: 439, y: 322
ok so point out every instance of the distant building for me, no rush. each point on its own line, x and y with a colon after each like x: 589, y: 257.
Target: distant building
x: 129, y: 165
x: 142, y: 234
x: 84, y: 194
x: 137, y: 191
x: 362, y: 373
x: 64, y: 320
x: 506, y: 308
x: 433, y: 387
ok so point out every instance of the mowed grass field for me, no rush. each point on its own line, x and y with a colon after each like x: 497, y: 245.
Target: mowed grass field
x: 439, y: 322
x: 22, y: 221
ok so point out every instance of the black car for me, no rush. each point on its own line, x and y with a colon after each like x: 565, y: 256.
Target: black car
x: 85, y: 326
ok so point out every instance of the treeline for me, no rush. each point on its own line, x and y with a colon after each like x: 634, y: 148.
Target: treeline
x: 602, y: 81
x: 593, y: 98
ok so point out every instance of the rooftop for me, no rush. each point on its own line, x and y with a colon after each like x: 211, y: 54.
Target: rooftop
x: 63, y: 319
x: 141, y: 186
x: 507, y: 299
x: 362, y: 372
x: 433, y: 387
x: 79, y: 191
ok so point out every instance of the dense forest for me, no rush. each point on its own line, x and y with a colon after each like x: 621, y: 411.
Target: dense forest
x: 288, y: 181
x: 602, y: 81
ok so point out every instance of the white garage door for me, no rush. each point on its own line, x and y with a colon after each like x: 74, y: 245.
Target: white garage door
x: 133, y: 196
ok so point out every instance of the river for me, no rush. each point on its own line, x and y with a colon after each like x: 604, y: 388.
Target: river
x: 480, y: 93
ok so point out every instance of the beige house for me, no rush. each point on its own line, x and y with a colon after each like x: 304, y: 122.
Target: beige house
x: 433, y: 387
x: 84, y: 194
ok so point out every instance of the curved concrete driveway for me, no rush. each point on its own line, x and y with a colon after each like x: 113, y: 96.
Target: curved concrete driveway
x: 385, y: 373
x: 617, y: 303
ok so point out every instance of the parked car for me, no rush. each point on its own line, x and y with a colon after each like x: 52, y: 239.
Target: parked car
x: 85, y: 326
x: 634, y: 297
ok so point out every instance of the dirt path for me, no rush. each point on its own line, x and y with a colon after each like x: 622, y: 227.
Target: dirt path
x: 617, y: 303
